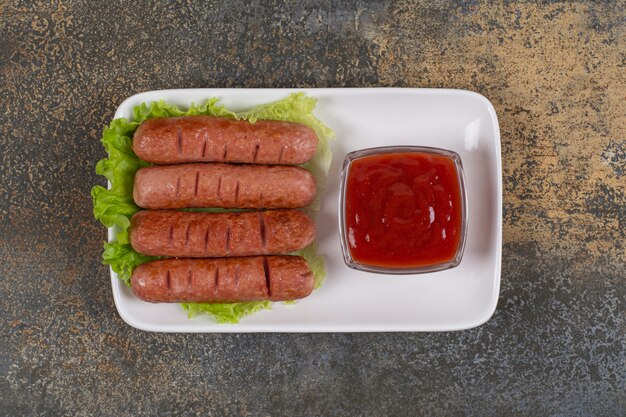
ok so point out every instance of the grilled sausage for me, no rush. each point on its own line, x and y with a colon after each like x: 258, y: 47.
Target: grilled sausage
x: 275, y: 278
x: 204, y: 235
x: 172, y: 140
x: 223, y: 186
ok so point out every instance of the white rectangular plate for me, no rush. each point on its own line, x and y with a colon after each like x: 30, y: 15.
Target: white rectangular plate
x: 350, y: 300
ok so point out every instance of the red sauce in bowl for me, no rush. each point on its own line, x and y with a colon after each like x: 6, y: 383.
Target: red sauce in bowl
x: 403, y: 210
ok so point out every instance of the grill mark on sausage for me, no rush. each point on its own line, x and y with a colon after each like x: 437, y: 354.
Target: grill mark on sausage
x: 225, y: 152
x: 256, y: 151
x: 228, y: 239
x: 187, y: 234
x: 280, y: 155
x: 171, y: 235
x: 177, y: 187
x: 204, y: 145
x: 237, y: 192
x: 217, y: 278
x: 206, y: 239
x: 168, y: 281
x: 266, y: 270
x: 219, y: 187
x: 237, y: 276
x: 262, y: 230
x: 195, y: 185
x: 179, y: 139
x: 189, y: 278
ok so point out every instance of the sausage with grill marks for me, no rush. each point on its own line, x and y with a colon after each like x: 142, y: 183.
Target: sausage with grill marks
x: 223, y: 186
x: 172, y: 140
x: 223, y: 280
x: 201, y: 235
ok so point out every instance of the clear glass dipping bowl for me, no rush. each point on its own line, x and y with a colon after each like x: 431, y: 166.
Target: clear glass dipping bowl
x: 345, y: 248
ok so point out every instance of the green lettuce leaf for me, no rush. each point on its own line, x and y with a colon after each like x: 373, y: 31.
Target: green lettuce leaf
x: 162, y: 109
x: 123, y: 259
x: 114, y: 207
x: 226, y: 312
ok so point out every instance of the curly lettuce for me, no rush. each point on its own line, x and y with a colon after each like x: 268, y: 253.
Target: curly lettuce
x: 114, y: 206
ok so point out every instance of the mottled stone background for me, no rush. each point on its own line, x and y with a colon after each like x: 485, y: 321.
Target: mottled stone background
x: 555, y: 72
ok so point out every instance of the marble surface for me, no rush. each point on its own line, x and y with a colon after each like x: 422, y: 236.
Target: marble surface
x: 555, y: 73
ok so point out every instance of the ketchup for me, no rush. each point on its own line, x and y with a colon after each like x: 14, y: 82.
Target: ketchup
x: 403, y: 210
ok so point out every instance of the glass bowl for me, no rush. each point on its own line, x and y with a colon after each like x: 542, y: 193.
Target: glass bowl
x: 343, y: 227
